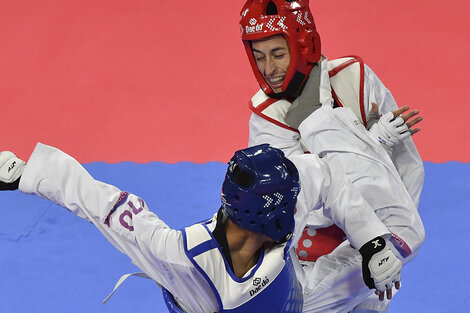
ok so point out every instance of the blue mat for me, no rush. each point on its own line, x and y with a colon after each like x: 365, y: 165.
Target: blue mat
x: 432, y: 283
x: 52, y: 261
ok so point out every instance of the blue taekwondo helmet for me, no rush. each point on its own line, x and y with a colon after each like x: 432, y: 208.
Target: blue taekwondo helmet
x: 260, y: 191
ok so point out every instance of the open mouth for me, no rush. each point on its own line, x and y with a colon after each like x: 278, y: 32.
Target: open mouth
x: 275, y: 82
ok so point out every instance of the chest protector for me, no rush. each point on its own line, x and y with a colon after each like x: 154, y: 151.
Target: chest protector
x: 347, y: 88
x: 271, y: 286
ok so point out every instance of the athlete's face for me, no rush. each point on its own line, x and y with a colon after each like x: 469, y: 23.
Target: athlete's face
x: 272, y: 57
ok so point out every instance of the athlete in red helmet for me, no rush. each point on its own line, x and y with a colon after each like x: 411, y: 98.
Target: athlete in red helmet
x: 310, y: 104
x: 293, y: 22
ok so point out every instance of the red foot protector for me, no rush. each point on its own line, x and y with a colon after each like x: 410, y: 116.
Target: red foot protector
x: 317, y: 242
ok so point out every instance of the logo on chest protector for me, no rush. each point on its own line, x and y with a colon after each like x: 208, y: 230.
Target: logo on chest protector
x: 259, y: 284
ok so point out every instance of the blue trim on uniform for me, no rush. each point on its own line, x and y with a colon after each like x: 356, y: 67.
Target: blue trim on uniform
x: 253, y: 271
x: 170, y: 302
x: 267, y: 296
x: 203, y: 273
x: 201, y: 248
x: 227, y: 266
x: 288, y: 245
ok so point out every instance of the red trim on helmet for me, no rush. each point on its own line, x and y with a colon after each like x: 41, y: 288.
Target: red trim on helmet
x: 260, y: 108
x: 295, y: 22
x: 254, y: 67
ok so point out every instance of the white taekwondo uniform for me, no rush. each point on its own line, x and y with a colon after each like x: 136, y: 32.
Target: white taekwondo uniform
x: 391, y: 184
x: 159, y: 251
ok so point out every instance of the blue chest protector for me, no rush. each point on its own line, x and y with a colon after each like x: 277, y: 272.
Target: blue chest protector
x: 271, y: 286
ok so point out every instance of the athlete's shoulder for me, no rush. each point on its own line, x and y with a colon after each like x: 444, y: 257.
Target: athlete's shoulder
x: 345, y: 64
x: 258, y: 98
x: 347, y: 84
x: 350, y: 65
x: 270, y: 109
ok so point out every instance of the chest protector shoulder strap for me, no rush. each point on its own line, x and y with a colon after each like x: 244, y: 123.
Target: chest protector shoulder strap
x: 347, y: 86
x: 270, y: 286
x: 271, y: 109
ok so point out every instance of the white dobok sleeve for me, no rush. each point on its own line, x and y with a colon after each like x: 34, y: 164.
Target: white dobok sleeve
x: 328, y: 189
x: 124, y: 219
x: 343, y: 142
x: 263, y: 131
x: 405, y: 155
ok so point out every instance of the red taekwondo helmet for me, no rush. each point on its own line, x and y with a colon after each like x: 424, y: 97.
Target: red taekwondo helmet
x: 260, y: 19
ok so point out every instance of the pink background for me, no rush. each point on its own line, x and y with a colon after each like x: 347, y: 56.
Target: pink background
x: 141, y: 80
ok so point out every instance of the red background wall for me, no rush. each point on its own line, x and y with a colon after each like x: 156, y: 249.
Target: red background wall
x: 141, y: 80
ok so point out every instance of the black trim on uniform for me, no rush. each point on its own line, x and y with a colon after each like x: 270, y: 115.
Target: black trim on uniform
x: 220, y: 236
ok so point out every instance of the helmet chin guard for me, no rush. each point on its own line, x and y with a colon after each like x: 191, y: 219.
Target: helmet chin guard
x: 260, y: 191
x: 260, y: 19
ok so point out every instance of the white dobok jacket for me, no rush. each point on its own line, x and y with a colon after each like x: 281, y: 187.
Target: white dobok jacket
x: 391, y: 185
x: 125, y: 220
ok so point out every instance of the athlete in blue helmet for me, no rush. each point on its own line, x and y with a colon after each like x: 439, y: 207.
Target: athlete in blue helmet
x: 241, y: 259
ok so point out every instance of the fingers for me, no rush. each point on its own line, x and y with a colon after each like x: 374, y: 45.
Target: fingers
x: 406, y: 116
x: 409, y: 118
x: 375, y: 108
x: 414, y: 121
x: 399, y: 111
x: 409, y: 114
x: 373, y: 116
x: 389, y: 292
x: 380, y: 294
